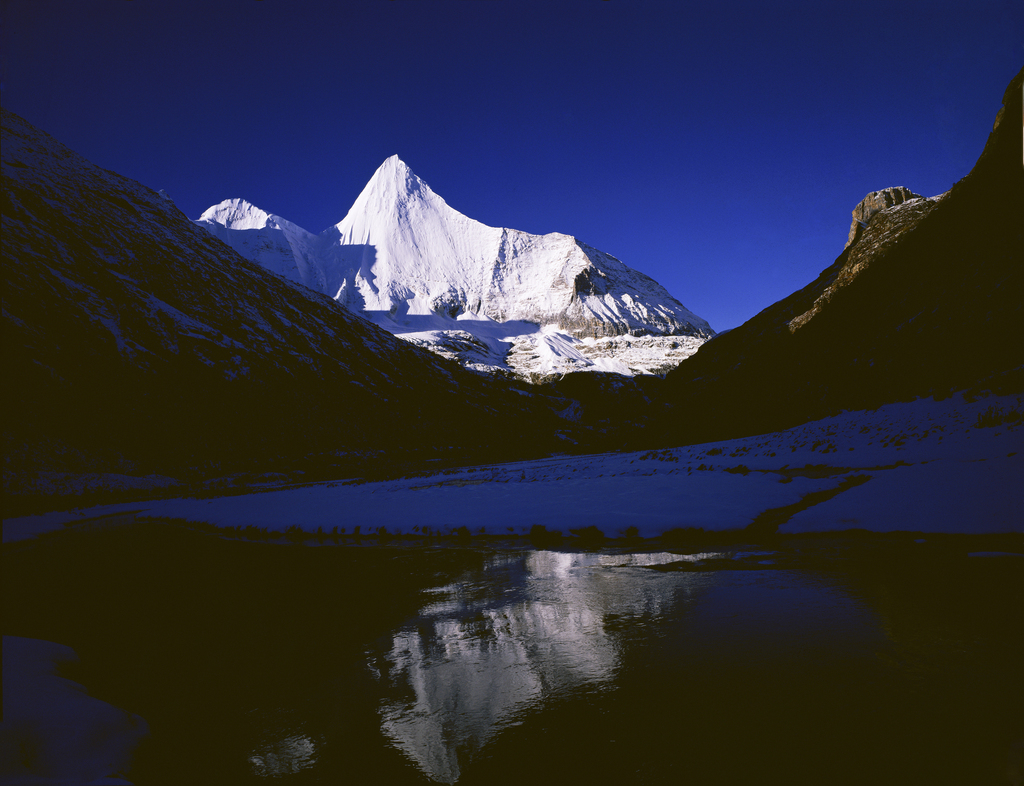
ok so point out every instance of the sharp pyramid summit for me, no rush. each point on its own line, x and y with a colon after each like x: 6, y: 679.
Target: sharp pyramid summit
x: 496, y: 299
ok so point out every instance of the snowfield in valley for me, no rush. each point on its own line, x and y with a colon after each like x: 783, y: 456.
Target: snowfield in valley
x: 953, y: 466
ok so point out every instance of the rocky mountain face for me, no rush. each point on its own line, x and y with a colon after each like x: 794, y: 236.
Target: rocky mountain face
x: 136, y: 342
x: 927, y: 297
x: 872, y: 203
x: 493, y: 298
x: 904, y: 211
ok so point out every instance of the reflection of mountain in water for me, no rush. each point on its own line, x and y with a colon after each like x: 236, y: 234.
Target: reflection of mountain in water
x: 494, y: 647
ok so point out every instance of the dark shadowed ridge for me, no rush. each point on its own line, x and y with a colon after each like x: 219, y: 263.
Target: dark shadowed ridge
x: 136, y: 342
x: 928, y: 299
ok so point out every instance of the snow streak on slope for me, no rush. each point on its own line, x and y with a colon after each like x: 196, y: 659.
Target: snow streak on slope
x: 426, y: 272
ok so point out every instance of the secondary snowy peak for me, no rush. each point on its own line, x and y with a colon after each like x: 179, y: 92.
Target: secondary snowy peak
x: 237, y: 214
x: 274, y: 242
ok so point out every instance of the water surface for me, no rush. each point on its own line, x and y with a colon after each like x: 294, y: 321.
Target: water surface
x: 840, y: 660
x: 533, y: 639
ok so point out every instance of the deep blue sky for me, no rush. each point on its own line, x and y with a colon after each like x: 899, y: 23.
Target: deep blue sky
x: 718, y: 147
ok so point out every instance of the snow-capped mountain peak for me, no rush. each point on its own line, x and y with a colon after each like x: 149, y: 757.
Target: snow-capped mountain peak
x: 394, y: 200
x: 424, y: 271
x: 395, y: 176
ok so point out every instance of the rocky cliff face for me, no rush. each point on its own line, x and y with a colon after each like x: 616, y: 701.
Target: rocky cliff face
x: 873, y: 203
x: 888, y: 216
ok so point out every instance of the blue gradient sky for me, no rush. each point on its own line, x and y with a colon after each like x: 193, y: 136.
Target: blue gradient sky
x: 717, y: 147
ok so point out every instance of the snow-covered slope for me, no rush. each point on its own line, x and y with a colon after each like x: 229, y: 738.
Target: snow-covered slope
x: 490, y: 297
x: 279, y: 245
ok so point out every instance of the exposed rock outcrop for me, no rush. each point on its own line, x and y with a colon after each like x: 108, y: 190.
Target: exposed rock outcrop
x: 873, y: 203
x: 883, y: 227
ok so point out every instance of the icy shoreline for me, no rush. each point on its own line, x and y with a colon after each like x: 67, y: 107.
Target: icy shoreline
x: 53, y: 732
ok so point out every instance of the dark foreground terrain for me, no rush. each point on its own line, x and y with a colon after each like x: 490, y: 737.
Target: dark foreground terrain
x: 873, y: 659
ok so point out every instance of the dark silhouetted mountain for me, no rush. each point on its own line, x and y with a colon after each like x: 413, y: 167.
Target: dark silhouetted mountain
x: 927, y: 297
x: 135, y: 341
